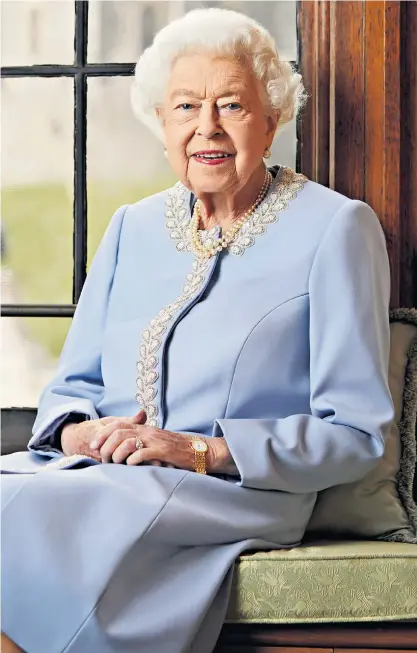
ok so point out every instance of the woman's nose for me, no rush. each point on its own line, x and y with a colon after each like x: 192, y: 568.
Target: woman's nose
x: 208, y: 123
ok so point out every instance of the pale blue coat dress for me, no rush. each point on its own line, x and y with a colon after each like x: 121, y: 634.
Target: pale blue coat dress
x: 279, y: 345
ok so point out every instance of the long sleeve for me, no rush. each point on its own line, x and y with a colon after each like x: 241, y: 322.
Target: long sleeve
x: 351, y: 407
x: 78, y: 386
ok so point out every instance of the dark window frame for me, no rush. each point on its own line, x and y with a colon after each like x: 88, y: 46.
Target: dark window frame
x: 79, y: 71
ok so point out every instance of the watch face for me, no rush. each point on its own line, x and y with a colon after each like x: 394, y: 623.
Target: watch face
x: 199, y: 445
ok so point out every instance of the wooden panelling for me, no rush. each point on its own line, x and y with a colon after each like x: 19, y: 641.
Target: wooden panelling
x: 359, y: 61
x: 347, y: 128
x: 369, y: 650
x: 395, y: 636
x: 307, y: 46
x: 383, y: 126
x: 314, y: 55
x: 271, y: 649
x: 408, y: 264
x: 322, y: 85
x: 296, y: 649
x: 374, y: 108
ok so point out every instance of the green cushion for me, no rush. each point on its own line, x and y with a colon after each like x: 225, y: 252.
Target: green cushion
x: 331, y: 582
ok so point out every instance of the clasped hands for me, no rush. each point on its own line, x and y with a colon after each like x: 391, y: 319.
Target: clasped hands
x: 113, y: 439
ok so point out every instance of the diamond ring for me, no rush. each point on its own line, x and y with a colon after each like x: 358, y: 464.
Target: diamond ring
x: 139, y: 443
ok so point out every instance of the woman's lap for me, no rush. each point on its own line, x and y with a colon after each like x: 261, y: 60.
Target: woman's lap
x: 86, y: 551
x: 64, y: 534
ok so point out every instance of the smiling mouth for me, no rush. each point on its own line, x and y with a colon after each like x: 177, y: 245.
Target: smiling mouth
x: 211, y: 157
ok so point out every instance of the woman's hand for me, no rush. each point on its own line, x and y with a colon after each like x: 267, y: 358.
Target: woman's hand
x: 77, y: 438
x: 160, y: 446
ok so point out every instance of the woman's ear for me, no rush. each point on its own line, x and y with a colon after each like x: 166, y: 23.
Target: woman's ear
x: 272, y: 123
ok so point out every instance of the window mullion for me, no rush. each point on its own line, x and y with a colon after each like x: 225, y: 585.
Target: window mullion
x: 62, y: 70
x: 80, y: 148
x: 37, y: 310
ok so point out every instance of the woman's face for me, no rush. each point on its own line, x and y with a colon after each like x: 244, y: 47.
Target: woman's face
x: 215, y: 125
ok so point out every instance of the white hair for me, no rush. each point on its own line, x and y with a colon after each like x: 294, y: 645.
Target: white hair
x: 221, y: 32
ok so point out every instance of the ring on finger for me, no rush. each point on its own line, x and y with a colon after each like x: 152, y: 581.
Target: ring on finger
x: 139, y: 443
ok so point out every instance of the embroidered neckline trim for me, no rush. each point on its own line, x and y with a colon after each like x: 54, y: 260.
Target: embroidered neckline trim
x: 284, y: 188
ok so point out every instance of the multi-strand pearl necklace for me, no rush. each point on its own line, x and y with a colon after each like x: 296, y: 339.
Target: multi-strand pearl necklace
x: 203, y: 250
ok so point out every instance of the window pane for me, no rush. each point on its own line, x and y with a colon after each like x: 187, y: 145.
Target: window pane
x: 29, y: 349
x: 120, y: 30
x: 125, y: 161
x: 37, y: 188
x: 37, y: 32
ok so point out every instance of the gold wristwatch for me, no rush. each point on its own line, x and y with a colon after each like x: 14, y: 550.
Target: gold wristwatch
x: 200, y: 449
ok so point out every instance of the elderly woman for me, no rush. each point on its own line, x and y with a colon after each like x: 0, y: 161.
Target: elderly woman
x: 245, y: 310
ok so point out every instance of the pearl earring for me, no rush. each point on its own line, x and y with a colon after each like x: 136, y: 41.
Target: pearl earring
x: 165, y: 152
x: 267, y: 153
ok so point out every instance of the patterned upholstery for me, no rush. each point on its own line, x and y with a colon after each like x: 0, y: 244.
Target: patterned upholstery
x: 331, y: 582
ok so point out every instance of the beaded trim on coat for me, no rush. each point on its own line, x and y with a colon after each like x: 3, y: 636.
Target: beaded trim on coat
x: 152, y: 340
x: 284, y: 188
x: 177, y: 213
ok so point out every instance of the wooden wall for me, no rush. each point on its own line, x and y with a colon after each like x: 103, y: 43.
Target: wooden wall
x: 359, y: 129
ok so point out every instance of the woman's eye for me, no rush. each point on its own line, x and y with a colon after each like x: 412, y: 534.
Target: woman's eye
x: 233, y: 106
x: 186, y: 106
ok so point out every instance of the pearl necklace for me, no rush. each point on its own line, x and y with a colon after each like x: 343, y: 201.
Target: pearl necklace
x: 224, y: 241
